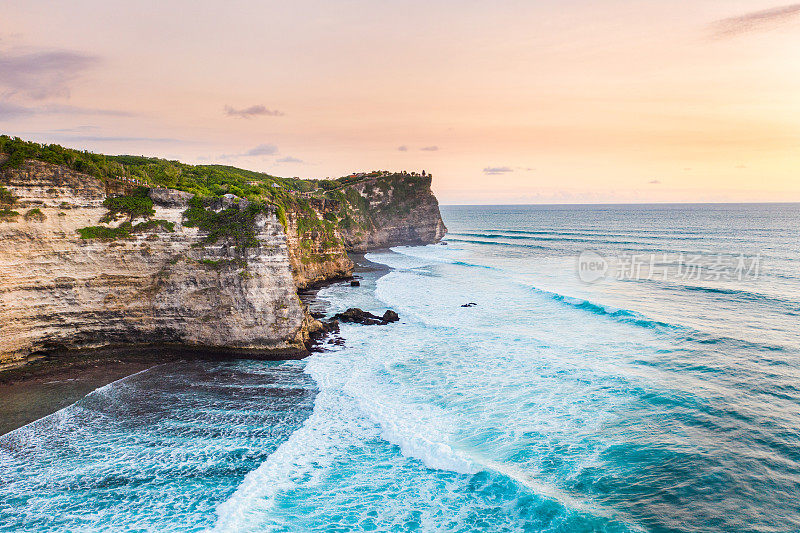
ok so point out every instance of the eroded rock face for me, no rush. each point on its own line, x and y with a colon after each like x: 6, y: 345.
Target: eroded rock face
x: 400, y: 212
x: 60, y: 291
x: 315, y: 257
x: 392, y: 211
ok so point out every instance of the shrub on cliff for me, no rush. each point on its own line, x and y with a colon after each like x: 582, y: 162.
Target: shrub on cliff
x: 148, y: 225
x: 105, y: 233
x: 124, y: 230
x: 135, y: 205
x: 7, y: 214
x: 7, y: 198
x: 35, y: 215
x: 231, y: 224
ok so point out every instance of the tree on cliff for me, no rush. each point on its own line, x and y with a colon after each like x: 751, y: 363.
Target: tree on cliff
x: 136, y: 205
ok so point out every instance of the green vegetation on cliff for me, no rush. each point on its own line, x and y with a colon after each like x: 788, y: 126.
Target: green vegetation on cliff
x: 232, y: 224
x: 7, y: 201
x: 7, y: 198
x: 202, y: 180
x: 135, y: 205
x: 316, y: 208
x: 124, y: 230
x: 6, y: 214
x: 35, y: 215
x: 131, y: 206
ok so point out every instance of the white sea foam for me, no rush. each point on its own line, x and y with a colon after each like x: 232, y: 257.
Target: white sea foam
x: 29, y: 434
x: 460, y: 390
x: 302, y: 458
x: 353, y: 406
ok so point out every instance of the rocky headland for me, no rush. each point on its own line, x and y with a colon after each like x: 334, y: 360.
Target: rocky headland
x: 208, y: 258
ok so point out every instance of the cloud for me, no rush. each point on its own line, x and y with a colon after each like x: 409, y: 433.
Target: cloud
x: 111, y: 138
x: 403, y: 148
x: 262, y: 149
x: 9, y: 110
x: 289, y: 159
x: 56, y: 109
x: 252, y: 111
x: 76, y: 129
x: 43, y: 74
x: 429, y: 148
x: 497, y: 170
x: 654, y: 182
x: 764, y: 20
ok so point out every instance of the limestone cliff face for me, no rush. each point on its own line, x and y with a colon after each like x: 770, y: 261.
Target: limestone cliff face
x: 380, y: 212
x: 165, y: 282
x: 397, y: 211
x: 315, y: 255
x: 59, y: 291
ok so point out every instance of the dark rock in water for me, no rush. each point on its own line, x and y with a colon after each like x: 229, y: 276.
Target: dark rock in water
x: 358, y: 316
x: 336, y: 341
x: 355, y: 283
x: 471, y: 304
x: 317, y: 315
x: 390, y: 316
x: 354, y: 314
x: 443, y: 243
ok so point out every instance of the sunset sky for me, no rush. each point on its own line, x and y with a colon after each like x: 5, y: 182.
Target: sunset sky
x: 504, y: 102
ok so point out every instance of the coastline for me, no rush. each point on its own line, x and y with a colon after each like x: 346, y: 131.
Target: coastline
x: 54, y: 381
x: 44, y: 386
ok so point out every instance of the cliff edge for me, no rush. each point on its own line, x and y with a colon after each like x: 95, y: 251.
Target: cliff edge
x: 88, y: 261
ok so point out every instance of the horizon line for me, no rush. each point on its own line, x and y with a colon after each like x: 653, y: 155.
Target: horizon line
x: 620, y: 203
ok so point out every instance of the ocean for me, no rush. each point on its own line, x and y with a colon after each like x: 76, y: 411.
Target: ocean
x: 555, y: 368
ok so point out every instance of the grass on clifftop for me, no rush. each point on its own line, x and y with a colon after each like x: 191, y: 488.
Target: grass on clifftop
x: 344, y: 207
x: 201, y: 180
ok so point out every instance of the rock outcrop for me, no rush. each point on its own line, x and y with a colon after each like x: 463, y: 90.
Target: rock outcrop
x: 399, y: 211
x: 314, y: 256
x: 383, y: 211
x: 59, y: 291
x: 165, y: 282
x: 359, y: 316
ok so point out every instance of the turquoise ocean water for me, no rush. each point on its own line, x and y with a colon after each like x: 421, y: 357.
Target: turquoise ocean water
x: 624, y: 368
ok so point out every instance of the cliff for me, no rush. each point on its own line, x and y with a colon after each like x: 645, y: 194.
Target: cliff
x: 60, y: 291
x: 218, y: 272
x: 371, y: 213
x: 396, y: 210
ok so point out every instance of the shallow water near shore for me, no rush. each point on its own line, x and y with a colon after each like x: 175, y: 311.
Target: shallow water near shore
x: 629, y: 403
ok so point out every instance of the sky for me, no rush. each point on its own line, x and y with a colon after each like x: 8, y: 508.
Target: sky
x: 568, y: 101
